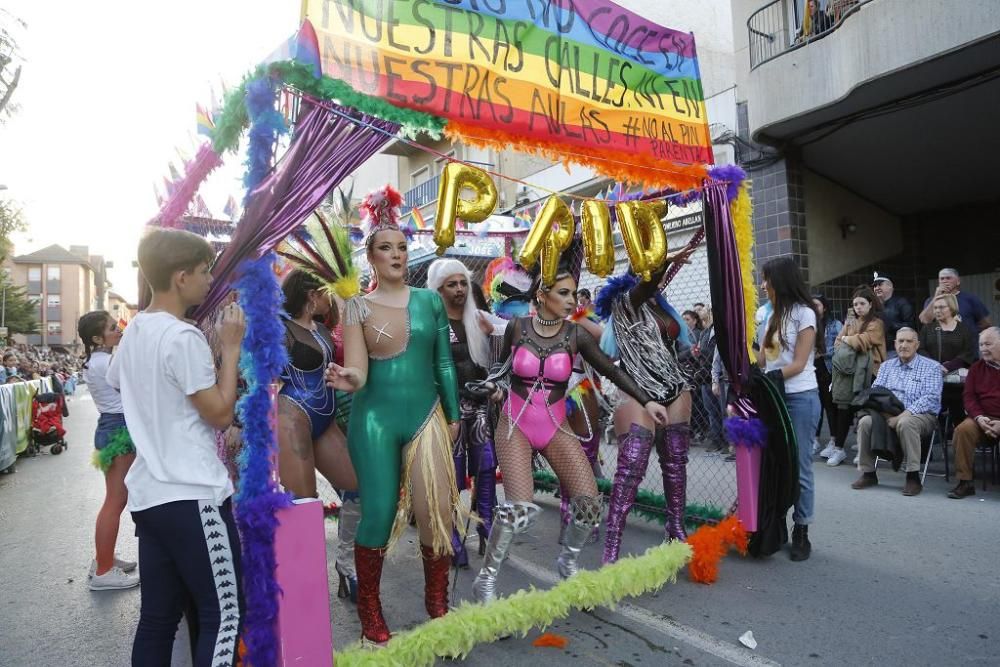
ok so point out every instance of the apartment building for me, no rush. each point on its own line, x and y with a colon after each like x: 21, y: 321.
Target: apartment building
x: 65, y: 284
x: 873, y: 131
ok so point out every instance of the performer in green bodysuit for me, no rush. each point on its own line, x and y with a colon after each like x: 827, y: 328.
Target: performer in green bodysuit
x: 398, y: 361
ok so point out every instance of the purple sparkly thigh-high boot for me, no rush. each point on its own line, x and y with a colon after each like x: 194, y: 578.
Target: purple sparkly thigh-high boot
x: 484, y: 460
x: 460, y: 557
x: 672, y: 444
x: 633, y: 458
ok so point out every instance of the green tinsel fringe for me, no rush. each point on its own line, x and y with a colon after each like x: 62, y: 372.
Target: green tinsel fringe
x: 233, y: 119
x: 461, y: 629
x: 648, y: 505
x: 301, y: 77
x: 119, y: 443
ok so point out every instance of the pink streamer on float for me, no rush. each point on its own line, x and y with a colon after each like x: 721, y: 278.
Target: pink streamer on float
x: 198, y: 169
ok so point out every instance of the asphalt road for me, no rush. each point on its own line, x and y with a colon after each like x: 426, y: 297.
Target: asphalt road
x: 892, y: 580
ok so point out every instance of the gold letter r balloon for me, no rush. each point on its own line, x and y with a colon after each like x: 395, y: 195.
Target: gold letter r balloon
x: 644, y: 236
x: 550, y: 235
x: 454, y: 179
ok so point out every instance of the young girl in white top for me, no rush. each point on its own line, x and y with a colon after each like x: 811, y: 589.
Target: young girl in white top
x: 113, y: 451
x: 788, y: 347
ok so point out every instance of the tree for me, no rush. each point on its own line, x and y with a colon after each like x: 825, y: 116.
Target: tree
x: 10, y: 64
x: 18, y: 313
x: 11, y: 221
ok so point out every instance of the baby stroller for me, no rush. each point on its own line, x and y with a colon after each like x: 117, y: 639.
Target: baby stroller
x: 47, y: 412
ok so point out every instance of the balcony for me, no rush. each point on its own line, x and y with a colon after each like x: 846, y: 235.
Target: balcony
x: 869, y: 55
x: 421, y: 195
x: 772, y: 27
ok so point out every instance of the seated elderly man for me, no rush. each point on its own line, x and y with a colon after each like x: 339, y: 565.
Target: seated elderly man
x: 982, y: 405
x: 916, y: 381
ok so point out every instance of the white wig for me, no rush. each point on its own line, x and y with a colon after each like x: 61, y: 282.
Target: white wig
x: 479, y: 346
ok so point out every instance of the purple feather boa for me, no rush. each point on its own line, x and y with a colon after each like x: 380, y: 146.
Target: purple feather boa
x: 746, y: 432
x: 264, y: 356
x: 257, y: 522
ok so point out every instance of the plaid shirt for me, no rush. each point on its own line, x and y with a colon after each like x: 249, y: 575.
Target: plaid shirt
x: 917, y: 384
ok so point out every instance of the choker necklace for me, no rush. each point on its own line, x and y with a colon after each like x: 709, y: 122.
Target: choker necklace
x: 547, y: 323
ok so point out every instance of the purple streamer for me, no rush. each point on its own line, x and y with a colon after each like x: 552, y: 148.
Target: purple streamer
x: 326, y: 148
x: 746, y: 432
x: 733, y: 338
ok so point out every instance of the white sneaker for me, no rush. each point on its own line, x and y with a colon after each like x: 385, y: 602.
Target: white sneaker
x: 829, y: 450
x: 816, y: 445
x: 123, y: 565
x: 857, y: 459
x: 837, y: 457
x: 113, y: 579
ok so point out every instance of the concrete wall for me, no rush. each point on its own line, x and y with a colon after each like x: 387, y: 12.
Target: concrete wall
x: 881, y: 37
x: 878, y: 234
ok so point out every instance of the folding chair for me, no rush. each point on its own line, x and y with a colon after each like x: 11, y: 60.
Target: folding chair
x: 936, y: 436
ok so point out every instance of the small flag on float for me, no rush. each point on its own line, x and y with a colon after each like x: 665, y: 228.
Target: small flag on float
x: 230, y: 210
x: 418, y: 219
x: 203, y: 121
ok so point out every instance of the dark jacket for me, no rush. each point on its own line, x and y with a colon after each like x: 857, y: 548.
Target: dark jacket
x: 897, y: 313
x: 878, y: 402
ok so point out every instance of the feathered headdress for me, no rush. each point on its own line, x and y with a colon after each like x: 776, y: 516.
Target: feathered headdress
x: 323, y: 249
x: 380, y: 210
x: 507, y: 286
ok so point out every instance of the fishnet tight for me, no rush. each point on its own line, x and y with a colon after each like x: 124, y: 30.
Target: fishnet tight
x: 563, y: 453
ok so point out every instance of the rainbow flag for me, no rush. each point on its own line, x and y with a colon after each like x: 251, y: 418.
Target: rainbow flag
x: 417, y: 218
x: 204, y: 121
x: 586, y: 76
x: 230, y: 209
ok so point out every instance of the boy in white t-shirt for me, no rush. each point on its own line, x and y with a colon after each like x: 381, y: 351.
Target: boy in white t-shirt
x: 178, y: 489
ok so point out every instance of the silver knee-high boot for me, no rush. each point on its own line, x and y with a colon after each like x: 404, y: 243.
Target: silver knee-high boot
x: 347, y: 529
x: 509, y: 519
x: 586, y: 515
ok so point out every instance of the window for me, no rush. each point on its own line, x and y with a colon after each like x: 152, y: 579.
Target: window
x: 54, y: 273
x: 115, y: 307
x: 55, y: 327
x: 54, y: 301
x: 419, y: 176
x: 35, y: 274
x: 441, y: 162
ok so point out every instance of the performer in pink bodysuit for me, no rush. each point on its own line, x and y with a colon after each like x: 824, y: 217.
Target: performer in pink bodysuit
x: 539, y: 355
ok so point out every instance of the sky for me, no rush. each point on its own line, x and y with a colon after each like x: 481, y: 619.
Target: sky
x: 107, y: 96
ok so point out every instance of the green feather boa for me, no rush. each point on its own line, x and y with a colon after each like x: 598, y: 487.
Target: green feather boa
x: 648, y: 505
x: 233, y: 119
x: 461, y: 629
x: 119, y: 443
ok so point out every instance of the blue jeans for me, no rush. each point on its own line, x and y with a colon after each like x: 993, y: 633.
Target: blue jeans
x: 804, y: 411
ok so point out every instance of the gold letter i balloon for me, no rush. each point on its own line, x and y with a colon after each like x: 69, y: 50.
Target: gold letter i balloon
x: 598, y: 243
x: 454, y: 179
x: 550, y: 235
x: 643, y: 234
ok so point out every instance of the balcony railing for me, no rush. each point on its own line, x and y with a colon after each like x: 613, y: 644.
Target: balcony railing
x: 772, y: 28
x: 422, y: 194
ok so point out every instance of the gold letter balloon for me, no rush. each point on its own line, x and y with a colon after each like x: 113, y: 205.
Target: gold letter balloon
x: 550, y: 235
x: 598, y: 243
x: 644, y: 236
x: 455, y: 178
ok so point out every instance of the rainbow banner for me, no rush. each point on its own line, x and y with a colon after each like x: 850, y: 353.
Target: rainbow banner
x: 585, y: 75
